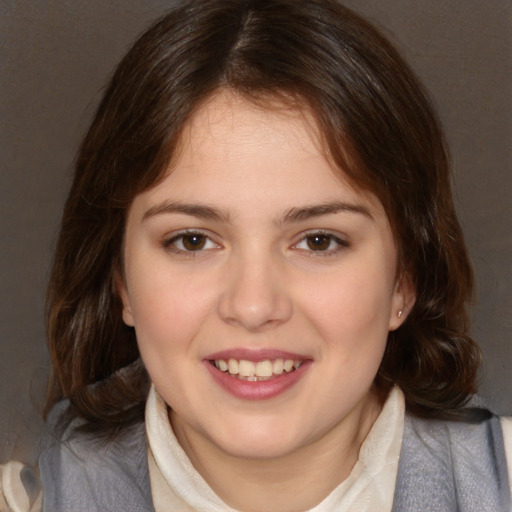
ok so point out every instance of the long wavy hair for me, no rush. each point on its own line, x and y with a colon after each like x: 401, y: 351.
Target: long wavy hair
x: 378, y: 126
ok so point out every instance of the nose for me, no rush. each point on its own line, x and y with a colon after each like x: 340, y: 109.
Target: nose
x: 256, y: 297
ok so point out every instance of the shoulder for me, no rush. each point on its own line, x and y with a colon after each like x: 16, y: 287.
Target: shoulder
x: 20, y: 489
x: 506, y: 425
x: 82, y: 473
x: 453, y: 465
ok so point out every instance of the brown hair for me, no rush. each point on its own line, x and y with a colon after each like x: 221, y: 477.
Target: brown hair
x: 379, y: 127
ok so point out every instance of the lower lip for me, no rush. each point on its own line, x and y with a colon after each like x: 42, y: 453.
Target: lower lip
x: 257, y: 390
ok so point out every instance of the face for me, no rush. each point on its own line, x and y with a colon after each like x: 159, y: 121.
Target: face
x: 261, y: 285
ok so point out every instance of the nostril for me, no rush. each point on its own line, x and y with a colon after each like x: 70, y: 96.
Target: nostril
x: 256, y: 313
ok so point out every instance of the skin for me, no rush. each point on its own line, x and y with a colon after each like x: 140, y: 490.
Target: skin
x: 256, y: 282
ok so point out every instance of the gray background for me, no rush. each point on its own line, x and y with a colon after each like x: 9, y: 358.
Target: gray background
x: 55, y: 56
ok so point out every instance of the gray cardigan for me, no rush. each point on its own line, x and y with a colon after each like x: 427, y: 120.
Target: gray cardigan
x: 444, y: 467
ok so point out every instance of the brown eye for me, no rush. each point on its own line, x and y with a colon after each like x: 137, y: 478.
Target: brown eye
x: 190, y: 242
x: 318, y: 242
x: 194, y: 242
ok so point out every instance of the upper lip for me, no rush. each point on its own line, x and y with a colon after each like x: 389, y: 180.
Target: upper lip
x: 252, y: 354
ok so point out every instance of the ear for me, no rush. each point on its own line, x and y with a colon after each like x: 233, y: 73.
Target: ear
x: 404, y: 297
x: 122, y: 291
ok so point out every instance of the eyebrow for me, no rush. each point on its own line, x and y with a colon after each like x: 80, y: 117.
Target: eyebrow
x: 295, y: 214
x: 202, y: 211
x: 298, y: 214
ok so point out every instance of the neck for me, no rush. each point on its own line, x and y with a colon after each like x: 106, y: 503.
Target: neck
x: 294, y: 482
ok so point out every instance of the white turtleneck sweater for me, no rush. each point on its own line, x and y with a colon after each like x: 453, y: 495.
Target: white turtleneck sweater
x: 177, y: 486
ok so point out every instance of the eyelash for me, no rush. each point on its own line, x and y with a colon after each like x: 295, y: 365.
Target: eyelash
x: 340, y: 244
x: 171, y: 244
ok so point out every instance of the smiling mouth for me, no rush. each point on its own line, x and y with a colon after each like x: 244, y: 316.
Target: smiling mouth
x: 256, y: 371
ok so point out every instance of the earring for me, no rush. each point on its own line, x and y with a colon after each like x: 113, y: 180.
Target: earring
x: 400, y: 313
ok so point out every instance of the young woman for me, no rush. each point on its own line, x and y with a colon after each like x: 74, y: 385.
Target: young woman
x: 258, y: 295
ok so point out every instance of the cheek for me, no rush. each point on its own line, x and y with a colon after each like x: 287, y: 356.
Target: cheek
x: 166, y: 325
x: 168, y: 308
x: 355, y: 305
x: 351, y: 313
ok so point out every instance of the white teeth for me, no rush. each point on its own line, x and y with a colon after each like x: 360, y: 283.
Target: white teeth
x: 246, y: 368
x: 261, y: 370
x: 278, y: 367
x: 233, y: 366
x: 264, y: 369
x: 288, y: 365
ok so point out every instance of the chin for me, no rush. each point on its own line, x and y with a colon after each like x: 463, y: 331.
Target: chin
x: 258, y: 442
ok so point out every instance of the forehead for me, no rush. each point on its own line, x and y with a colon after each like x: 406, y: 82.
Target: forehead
x: 229, y: 120
x: 248, y: 154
